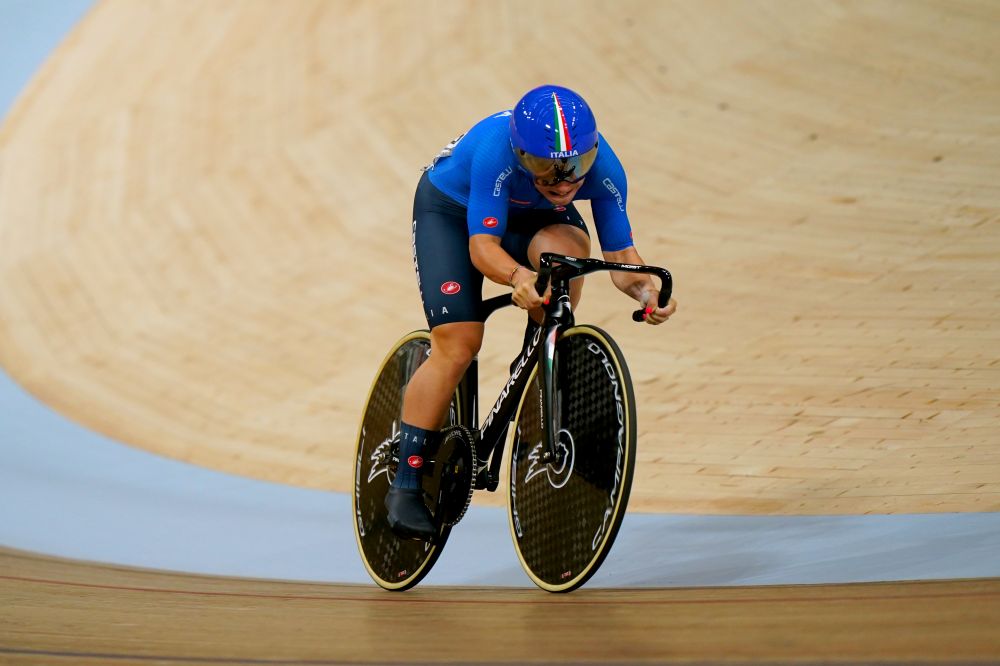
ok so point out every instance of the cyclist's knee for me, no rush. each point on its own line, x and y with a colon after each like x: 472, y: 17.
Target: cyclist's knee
x: 559, y: 238
x: 457, y: 343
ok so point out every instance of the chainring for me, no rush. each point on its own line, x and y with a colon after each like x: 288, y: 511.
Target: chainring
x: 454, y: 474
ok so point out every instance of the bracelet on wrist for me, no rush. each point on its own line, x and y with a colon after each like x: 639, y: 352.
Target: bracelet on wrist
x: 510, y: 278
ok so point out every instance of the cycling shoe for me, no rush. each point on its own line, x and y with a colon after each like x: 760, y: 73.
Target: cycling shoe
x: 408, y: 516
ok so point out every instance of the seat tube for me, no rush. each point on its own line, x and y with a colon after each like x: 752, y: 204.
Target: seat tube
x: 468, y: 393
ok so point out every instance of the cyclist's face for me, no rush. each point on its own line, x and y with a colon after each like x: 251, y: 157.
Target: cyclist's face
x: 560, y: 194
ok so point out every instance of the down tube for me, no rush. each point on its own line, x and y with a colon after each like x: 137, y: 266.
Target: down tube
x: 495, y: 425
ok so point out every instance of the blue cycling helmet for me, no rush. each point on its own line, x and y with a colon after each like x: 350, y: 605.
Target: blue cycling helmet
x: 554, y: 134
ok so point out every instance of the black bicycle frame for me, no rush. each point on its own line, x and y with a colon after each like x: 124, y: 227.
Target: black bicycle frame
x: 560, y: 270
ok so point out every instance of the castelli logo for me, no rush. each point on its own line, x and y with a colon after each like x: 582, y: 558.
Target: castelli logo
x: 490, y: 222
x: 451, y: 288
x: 559, y: 209
x: 416, y: 462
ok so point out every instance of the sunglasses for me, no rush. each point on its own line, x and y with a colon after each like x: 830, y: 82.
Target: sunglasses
x: 560, y: 177
x: 549, y: 171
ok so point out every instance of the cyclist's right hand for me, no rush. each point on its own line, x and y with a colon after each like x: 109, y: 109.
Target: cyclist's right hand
x: 525, y: 296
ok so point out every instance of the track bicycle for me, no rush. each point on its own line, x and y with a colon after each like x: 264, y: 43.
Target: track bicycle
x: 570, y: 401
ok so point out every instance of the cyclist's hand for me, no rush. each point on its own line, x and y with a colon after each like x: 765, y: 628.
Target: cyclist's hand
x: 525, y: 296
x: 653, y: 314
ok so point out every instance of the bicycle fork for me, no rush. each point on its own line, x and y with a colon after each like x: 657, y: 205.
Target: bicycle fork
x: 560, y: 317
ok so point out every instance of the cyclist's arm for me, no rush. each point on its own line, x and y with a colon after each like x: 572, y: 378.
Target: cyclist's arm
x: 493, y: 261
x: 489, y: 190
x: 609, y: 203
x: 628, y: 283
x: 639, y: 286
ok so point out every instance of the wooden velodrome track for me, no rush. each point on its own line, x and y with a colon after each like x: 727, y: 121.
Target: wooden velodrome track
x: 204, y: 252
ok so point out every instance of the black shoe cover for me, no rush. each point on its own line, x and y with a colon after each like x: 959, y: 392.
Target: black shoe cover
x: 408, y: 516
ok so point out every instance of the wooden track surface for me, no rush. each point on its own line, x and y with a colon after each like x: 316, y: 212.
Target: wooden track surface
x: 204, y: 252
x: 69, y: 612
x: 204, y: 231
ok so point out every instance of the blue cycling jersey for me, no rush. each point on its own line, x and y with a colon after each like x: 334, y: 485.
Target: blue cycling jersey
x: 480, y: 171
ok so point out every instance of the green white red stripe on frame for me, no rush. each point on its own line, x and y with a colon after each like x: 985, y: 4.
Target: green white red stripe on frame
x: 563, y: 142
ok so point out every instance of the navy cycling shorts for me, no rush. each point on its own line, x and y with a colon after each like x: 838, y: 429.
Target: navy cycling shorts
x: 450, y: 286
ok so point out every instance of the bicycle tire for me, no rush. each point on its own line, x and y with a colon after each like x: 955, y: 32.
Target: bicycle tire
x: 393, y: 563
x: 563, y: 529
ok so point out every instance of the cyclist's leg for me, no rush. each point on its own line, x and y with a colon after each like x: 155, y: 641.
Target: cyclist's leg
x: 429, y: 393
x: 451, y: 291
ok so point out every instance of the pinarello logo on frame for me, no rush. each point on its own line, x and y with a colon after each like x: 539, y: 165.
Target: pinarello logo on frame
x: 490, y: 222
x: 416, y: 462
x: 451, y: 288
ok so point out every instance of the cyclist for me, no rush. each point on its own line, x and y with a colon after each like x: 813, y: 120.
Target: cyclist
x: 488, y: 205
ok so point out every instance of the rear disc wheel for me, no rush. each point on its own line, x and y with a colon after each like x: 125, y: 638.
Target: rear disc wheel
x: 393, y: 563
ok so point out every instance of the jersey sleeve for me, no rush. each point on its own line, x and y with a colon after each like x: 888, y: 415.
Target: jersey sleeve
x: 489, y: 185
x: 609, y: 201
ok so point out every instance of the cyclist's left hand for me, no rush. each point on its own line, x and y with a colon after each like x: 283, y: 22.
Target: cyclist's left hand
x: 653, y: 314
